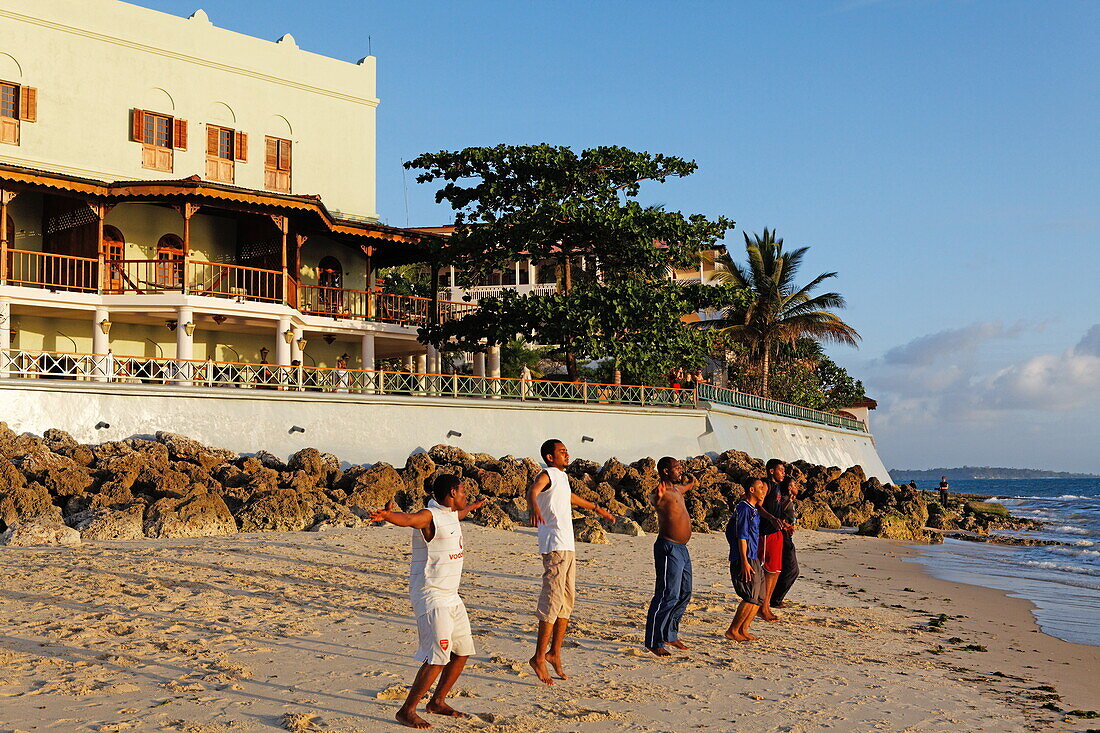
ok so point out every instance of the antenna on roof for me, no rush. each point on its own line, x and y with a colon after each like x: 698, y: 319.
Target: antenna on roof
x: 369, y: 52
x: 405, y: 183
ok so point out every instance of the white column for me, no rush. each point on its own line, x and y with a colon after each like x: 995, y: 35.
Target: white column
x: 494, y: 369
x: 409, y: 365
x: 494, y: 362
x: 517, y: 272
x: 101, y: 345
x: 368, y: 351
x: 5, y: 333
x: 479, y: 364
x: 433, y: 360
x: 282, y: 348
x: 185, y: 344
x: 421, y: 369
x: 295, y: 352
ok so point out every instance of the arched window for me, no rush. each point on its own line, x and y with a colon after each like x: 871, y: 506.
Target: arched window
x: 170, y: 262
x: 330, y: 276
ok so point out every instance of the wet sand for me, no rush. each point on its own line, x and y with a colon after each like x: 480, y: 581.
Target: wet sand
x: 263, y: 632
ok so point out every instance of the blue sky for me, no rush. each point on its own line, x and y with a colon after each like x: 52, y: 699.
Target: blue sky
x: 941, y: 155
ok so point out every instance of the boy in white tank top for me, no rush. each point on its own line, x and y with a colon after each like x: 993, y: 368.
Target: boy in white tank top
x: 434, y: 576
x: 551, y: 502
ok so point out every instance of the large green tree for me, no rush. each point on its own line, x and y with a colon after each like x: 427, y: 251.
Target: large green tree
x: 552, y: 203
x: 778, y: 310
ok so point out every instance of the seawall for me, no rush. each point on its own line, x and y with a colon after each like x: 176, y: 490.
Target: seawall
x: 371, y: 428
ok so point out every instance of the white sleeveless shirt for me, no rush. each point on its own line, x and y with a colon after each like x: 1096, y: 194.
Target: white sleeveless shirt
x: 436, y: 569
x: 556, y: 530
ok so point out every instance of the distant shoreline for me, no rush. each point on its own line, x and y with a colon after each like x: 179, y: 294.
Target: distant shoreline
x: 982, y: 473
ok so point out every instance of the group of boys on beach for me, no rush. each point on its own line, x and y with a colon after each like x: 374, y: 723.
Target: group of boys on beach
x: 762, y: 558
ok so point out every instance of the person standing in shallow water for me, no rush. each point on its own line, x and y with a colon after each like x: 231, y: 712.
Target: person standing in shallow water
x: 446, y: 641
x: 671, y: 558
x: 551, y: 503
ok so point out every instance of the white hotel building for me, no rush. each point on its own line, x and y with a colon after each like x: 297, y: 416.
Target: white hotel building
x: 174, y: 190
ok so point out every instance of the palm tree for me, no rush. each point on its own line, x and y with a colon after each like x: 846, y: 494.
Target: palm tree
x: 778, y: 310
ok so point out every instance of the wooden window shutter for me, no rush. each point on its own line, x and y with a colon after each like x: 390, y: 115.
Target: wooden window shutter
x: 212, y: 140
x: 284, y: 156
x: 179, y: 134
x: 271, y: 153
x: 137, y: 131
x: 240, y: 146
x: 28, y: 104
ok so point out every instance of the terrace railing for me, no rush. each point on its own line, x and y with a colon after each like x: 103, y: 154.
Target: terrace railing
x: 734, y: 398
x: 148, y: 370
x: 19, y: 364
x: 47, y: 270
x: 234, y: 281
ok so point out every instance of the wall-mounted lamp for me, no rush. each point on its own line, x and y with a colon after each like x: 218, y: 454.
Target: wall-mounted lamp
x: 288, y: 335
x: 587, y: 439
x: 105, y: 326
x: 329, y: 338
x: 218, y: 319
x: 189, y: 328
x: 454, y: 433
x: 302, y: 344
x: 296, y: 429
x: 264, y: 351
x: 102, y: 425
x: 171, y: 325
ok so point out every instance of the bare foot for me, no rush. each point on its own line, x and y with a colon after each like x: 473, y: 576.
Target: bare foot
x: 411, y: 719
x: 749, y: 637
x: 539, y: 665
x: 679, y: 644
x: 442, y: 708
x: 779, y: 604
x: 735, y: 636
x: 660, y: 651
x: 555, y: 662
x: 767, y: 615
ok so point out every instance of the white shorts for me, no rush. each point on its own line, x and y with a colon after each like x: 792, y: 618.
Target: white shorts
x: 443, y: 632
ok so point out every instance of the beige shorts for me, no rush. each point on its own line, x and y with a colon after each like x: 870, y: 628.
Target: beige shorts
x: 559, y: 581
x: 443, y: 632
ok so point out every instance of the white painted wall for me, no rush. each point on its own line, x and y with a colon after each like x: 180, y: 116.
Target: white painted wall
x: 93, y: 61
x: 368, y: 429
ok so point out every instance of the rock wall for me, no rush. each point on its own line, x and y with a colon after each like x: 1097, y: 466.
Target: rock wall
x: 366, y: 428
x: 56, y: 490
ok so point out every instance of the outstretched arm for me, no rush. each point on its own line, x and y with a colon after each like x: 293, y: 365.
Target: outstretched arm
x: 688, y: 485
x: 472, y: 508
x: 586, y: 504
x: 420, y: 520
x: 537, y: 487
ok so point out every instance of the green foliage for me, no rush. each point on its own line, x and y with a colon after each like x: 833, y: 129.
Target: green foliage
x: 800, y: 373
x: 517, y: 353
x: 405, y: 280
x: 546, y: 202
x: 779, y: 311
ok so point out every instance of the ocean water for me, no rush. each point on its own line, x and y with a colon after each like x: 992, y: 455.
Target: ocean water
x: 1062, y: 581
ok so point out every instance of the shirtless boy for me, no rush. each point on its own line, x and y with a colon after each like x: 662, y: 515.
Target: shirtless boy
x: 746, y: 570
x: 671, y: 557
x: 434, y: 576
x: 551, y: 502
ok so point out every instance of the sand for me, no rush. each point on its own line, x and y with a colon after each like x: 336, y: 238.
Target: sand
x: 312, y: 632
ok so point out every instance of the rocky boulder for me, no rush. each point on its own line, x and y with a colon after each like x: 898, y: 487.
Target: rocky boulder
x: 371, y: 488
x: 281, y: 510
x: 493, y: 516
x: 418, y: 467
x: 894, y: 525
x: 39, y: 531
x: 588, y: 529
x: 449, y: 455
x: 110, y: 524
x: 309, y: 462
x: 816, y: 514
x: 182, y: 448
x: 62, y: 476
x: 626, y: 526
x: 855, y: 514
x: 197, y: 515
x: 24, y: 503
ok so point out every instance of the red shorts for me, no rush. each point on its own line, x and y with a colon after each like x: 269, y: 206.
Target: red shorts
x: 771, y: 552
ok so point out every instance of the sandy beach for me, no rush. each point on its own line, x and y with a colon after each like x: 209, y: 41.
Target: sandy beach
x: 312, y: 631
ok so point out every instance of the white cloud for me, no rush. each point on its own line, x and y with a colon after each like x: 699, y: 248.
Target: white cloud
x: 949, y: 344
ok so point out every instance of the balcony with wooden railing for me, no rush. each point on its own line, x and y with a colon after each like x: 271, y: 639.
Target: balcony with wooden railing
x: 214, y: 279
x: 45, y: 270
